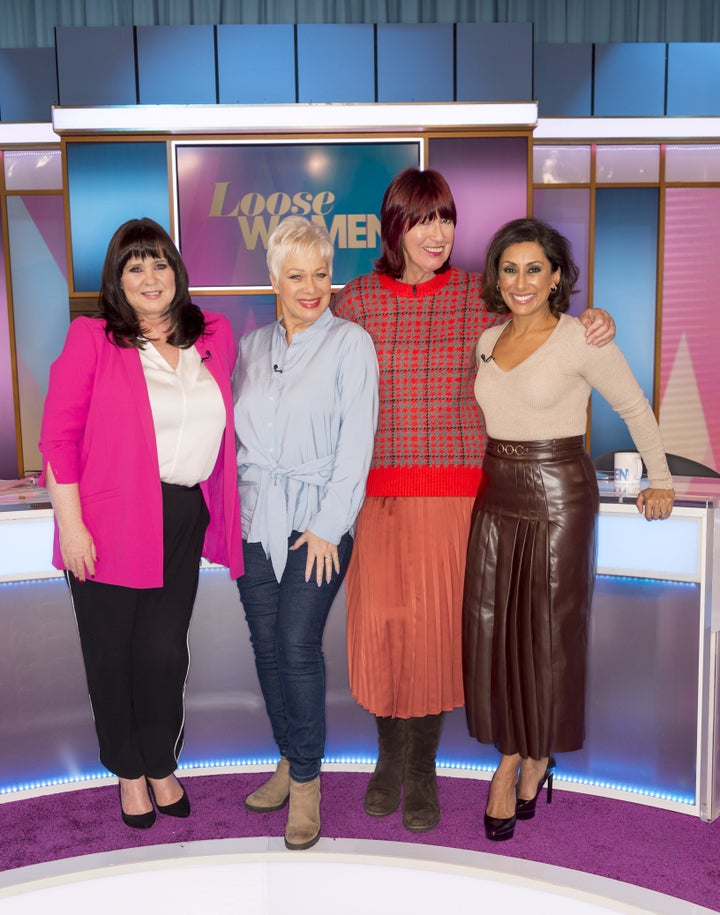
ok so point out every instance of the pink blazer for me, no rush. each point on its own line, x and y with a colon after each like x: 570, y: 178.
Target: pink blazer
x: 97, y: 431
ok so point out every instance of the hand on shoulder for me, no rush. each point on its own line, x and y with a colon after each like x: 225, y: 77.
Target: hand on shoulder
x: 599, y: 326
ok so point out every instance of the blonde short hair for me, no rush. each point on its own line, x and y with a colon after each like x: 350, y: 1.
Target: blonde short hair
x: 297, y: 235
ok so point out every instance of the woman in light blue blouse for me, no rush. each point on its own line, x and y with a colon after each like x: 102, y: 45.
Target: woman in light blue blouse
x: 305, y: 392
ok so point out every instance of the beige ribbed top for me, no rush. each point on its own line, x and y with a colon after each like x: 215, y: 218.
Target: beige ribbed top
x: 546, y: 395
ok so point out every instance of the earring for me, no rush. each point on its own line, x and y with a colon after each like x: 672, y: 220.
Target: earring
x: 497, y: 286
x: 553, y: 289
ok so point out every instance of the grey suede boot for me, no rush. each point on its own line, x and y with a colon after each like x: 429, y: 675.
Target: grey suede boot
x: 272, y: 794
x: 421, y: 807
x: 383, y: 791
x: 303, y: 823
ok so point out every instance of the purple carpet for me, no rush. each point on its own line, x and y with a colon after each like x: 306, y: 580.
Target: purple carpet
x: 667, y: 852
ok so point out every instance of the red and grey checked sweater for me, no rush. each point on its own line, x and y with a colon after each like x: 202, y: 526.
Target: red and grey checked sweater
x: 430, y: 438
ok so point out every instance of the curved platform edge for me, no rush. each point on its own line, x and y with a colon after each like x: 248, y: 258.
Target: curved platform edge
x: 581, y: 891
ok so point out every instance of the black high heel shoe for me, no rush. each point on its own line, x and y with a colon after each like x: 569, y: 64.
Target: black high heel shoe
x: 137, y: 820
x: 525, y: 809
x: 497, y: 829
x: 179, y: 808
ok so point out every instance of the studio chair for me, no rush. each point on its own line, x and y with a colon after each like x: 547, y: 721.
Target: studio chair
x: 679, y: 466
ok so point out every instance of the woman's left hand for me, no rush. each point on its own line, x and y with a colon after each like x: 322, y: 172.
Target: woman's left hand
x: 657, y: 504
x: 321, y: 553
x: 599, y: 326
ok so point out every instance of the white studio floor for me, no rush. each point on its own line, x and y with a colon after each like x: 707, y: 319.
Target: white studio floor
x: 352, y: 877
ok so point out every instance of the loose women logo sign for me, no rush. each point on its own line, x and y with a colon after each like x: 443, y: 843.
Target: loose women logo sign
x: 257, y: 216
x: 231, y: 197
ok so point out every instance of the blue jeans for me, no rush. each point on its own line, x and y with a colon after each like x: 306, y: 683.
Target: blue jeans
x: 287, y: 620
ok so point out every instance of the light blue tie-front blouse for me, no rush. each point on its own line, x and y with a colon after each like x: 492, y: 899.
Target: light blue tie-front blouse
x: 305, y: 417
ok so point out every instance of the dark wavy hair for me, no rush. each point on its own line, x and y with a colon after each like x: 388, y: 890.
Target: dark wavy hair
x: 411, y: 197
x: 557, y: 250
x: 144, y: 238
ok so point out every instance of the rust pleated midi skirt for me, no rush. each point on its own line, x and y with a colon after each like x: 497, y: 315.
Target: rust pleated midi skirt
x: 404, y: 593
x: 528, y: 587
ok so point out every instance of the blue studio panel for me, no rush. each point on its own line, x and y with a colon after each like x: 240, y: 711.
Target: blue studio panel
x: 176, y: 65
x: 630, y: 80
x: 494, y: 62
x: 28, y: 84
x: 96, y: 66
x: 693, y: 79
x: 336, y: 63
x: 415, y: 63
x: 563, y: 80
x: 256, y: 64
x: 625, y: 284
x: 109, y: 183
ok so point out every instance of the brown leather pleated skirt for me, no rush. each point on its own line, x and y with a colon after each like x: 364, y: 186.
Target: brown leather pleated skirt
x: 528, y: 586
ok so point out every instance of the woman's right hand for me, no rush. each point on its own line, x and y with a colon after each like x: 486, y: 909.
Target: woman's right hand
x: 77, y: 546
x: 78, y: 551
x: 322, y: 554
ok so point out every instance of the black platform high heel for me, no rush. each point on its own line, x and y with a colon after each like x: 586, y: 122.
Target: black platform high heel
x: 525, y: 809
x: 497, y: 829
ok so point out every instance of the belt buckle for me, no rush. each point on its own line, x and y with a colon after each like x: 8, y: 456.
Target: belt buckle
x: 517, y: 450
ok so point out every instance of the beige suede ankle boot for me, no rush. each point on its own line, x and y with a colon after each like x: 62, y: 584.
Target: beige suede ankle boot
x: 272, y: 794
x: 303, y: 822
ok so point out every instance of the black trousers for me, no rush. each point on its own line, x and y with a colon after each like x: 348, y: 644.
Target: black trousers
x: 134, y: 645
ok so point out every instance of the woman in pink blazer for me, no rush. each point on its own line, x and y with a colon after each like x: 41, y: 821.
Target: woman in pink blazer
x: 138, y: 453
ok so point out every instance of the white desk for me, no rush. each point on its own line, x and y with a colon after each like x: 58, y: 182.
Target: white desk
x: 652, y: 696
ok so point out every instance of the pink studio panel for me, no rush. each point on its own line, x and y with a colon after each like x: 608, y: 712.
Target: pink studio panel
x: 33, y: 170
x: 689, y: 369
x: 489, y: 181
x: 36, y: 241
x: 561, y: 164
x: 8, y: 442
x: 627, y: 164
x: 568, y: 209
x: 696, y: 162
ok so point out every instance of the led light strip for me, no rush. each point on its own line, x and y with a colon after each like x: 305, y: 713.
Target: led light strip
x: 356, y: 760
